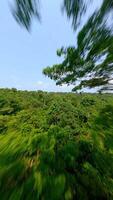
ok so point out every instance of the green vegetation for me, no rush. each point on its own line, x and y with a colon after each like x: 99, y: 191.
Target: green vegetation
x: 89, y: 63
x: 56, y: 146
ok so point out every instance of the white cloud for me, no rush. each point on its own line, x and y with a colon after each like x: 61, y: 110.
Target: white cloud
x: 50, y: 87
x: 40, y: 83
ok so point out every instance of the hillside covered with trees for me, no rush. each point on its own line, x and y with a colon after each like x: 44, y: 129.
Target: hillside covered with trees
x: 56, y: 146
x: 59, y: 146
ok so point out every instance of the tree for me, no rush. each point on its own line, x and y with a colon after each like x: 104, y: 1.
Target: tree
x: 90, y: 63
x: 24, y: 10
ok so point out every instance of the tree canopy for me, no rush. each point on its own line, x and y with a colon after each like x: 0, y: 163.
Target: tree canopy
x: 90, y: 62
x: 56, y: 146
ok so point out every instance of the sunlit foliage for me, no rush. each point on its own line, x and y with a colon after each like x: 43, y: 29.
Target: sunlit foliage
x: 55, y: 146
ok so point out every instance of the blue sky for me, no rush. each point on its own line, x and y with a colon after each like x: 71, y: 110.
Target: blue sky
x: 23, y: 56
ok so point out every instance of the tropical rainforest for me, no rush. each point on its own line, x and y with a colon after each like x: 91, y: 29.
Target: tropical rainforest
x: 59, y: 146
x: 55, y: 146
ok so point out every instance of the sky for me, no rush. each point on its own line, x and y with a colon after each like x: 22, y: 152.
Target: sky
x: 23, y: 55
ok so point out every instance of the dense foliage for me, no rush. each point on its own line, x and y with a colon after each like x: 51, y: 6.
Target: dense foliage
x: 56, y: 146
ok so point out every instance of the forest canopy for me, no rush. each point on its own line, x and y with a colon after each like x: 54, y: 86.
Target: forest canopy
x: 56, y: 146
x: 59, y: 146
